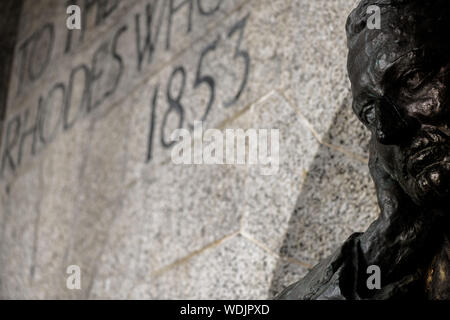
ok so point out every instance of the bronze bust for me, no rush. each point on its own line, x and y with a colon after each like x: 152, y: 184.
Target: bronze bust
x: 400, y: 78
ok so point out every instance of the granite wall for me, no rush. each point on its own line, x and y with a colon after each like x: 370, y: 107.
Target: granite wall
x: 86, y: 172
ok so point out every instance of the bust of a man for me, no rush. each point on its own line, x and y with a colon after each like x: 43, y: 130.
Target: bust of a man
x: 400, y: 77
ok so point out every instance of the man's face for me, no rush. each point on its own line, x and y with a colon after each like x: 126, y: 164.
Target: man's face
x: 401, y: 93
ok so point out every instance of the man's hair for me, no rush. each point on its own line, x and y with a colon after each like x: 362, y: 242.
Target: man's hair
x: 415, y: 14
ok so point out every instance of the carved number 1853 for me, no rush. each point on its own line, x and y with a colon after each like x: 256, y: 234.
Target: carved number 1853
x: 174, y: 98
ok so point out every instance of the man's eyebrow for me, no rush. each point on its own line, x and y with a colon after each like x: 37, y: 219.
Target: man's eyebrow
x: 402, y: 56
x: 363, y: 97
x: 396, y: 69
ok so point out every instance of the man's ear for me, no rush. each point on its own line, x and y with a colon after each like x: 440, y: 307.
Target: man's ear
x: 390, y: 195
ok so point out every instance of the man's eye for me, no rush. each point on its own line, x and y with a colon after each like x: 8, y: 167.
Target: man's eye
x: 414, y: 79
x: 368, y: 114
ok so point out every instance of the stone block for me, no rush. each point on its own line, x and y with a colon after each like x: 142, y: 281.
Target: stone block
x: 226, y: 273
x: 270, y: 199
x: 337, y: 199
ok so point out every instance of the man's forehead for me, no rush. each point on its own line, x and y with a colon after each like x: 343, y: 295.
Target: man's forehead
x: 406, y: 37
x: 372, y: 55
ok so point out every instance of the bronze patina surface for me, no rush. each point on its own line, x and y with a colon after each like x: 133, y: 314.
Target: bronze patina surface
x: 400, y: 77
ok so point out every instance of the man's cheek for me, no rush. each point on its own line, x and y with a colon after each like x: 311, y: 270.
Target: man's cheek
x: 390, y: 157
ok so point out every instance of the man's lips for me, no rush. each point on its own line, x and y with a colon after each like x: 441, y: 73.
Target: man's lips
x: 427, y: 158
x: 430, y: 148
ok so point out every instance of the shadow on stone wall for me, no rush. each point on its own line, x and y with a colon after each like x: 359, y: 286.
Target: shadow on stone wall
x: 337, y: 199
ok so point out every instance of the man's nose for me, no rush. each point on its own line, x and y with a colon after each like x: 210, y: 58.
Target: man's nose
x: 393, y: 126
